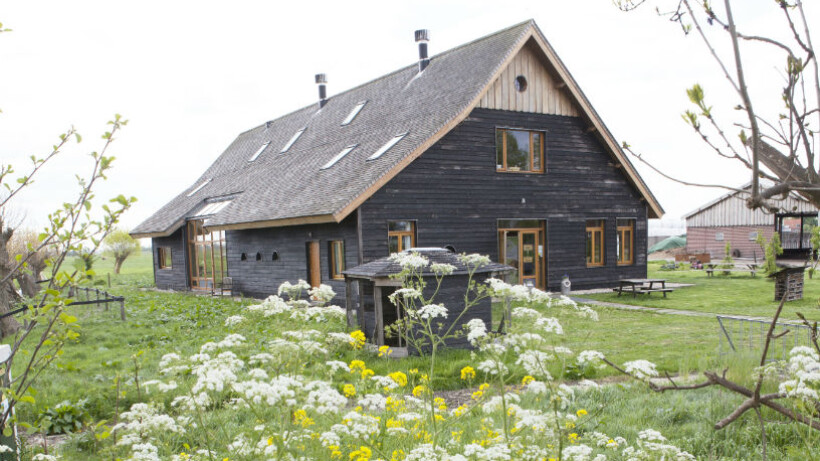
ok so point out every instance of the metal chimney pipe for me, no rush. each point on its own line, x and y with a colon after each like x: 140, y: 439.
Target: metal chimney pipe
x: 422, y: 37
x: 321, y: 80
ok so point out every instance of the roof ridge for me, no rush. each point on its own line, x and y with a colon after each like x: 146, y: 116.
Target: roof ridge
x: 401, y: 69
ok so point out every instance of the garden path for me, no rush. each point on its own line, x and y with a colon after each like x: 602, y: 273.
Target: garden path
x: 658, y: 310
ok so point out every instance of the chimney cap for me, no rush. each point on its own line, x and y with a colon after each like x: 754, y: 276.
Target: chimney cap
x: 422, y: 35
x: 321, y: 78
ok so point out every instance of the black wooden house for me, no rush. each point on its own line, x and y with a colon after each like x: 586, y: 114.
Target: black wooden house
x: 490, y: 147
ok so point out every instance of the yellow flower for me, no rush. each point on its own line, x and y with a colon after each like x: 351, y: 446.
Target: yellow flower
x: 399, y: 377
x: 573, y: 438
x: 385, y: 351
x: 357, y: 365
x: 440, y: 403
x: 468, y: 373
x: 349, y: 390
x: 418, y: 390
x: 483, y: 387
x: 300, y: 417
x: 362, y: 454
x: 581, y: 412
x: 526, y: 380
x: 413, y: 371
x: 270, y: 441
x: 357, y: 339
x: 367, y: 373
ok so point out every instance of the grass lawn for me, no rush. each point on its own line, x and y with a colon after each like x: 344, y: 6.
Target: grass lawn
x: 731, y: 295
x: 162, y: 322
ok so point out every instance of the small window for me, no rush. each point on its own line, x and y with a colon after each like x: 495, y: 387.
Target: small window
x: 387, y: 146
x: 243, y: 257
x: 261, y: 149
x: 401, y: 235
x: 258, y: 256
x: 211, y: 208
x: 626, y: 241
x: 595, y: 242
x: 520, y: 84
x: 164, y: 258
x: 199, y: 187
x: 353, y: 113
x: 274, y: 256
x: 339, y: 156
x: 292, y: 140
x: 719, y: 236
x: 519, y: 151
x: 752, y: 236
x: 337, y: 259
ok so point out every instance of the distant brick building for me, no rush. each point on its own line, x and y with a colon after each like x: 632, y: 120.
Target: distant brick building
x: 728, y: 219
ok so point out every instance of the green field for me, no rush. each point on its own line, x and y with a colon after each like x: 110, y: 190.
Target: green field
x: 162, y: 322
x: 738, y: 294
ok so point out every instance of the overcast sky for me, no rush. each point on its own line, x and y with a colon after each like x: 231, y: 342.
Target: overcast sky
x: 191, y: 75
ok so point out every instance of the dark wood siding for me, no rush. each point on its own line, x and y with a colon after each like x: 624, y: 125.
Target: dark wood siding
x: 456, y: 197
x: 262, y: 278
x: 175, y: 278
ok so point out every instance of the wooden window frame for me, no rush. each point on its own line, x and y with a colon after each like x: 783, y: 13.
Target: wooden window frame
x: 161, y: 258
x: 212, y: 242
x: 621, y: 229
x: 332, y: 248
x: 600, y: 228
x: 541, y: 234
x: 400, y: 234
x: 504, y: 168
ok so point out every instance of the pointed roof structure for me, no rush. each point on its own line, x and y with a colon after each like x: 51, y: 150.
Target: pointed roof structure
x: 310, y: 167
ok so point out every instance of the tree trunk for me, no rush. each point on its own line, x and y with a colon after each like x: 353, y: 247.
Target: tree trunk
x: 8, y: 325
x: 118, y: 264
x: 28, y: 284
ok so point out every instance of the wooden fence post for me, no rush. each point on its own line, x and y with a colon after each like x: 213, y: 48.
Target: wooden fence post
x: 107, y: 299
x: 122, y: 309
x: 98, y: 296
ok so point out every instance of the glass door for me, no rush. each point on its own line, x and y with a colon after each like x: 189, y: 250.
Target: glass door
x: 522, y: 248
x: 207, y: 255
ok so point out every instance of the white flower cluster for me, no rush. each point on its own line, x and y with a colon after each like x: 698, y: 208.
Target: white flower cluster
x: 323, y: 293
x: 429, y: 312
x: 441, y: 269
x: 473, y: 260
x: 234, y: 320
x: 272, y: 305
x: 591, y: 359
x: 549, y: 325
x: 476, y: 330
x: 804, y: 369
x: 641, y: 369
x: 410, y: 260
x: 294, y: 291
x: 318, y: 314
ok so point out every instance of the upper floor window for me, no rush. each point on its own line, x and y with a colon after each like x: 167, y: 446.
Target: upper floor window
x: 519, y: 151
x: 595, y: 242
x: 626, y: 241
x: 401, y: 235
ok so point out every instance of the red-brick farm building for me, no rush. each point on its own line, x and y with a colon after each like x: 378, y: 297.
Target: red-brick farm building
x: 728, y: 219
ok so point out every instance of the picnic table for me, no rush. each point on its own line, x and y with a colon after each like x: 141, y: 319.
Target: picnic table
x: 712, y: 268
x: 636, y: 286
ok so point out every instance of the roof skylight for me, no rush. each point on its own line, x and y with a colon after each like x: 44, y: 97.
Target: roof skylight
x: 256, y: 154
x: 387, y: 146
x: 339, y: 156
x: 292, y: 140
x: 212, y: 208
x: 354, y: 113
x: 197, y: 188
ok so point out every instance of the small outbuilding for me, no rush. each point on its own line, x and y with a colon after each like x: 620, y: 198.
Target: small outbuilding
x: 372, y: 309
x: 788, y: 282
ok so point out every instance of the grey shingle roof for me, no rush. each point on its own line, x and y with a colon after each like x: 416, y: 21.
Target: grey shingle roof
x: 280, y: 186
x: 385, y: 267
x: 278, y: 189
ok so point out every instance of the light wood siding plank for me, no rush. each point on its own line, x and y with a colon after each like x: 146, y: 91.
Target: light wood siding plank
x: 542, y: 96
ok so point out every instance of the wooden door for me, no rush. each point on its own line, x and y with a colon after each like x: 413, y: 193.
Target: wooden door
x: 523, y: 249
x: 314, y: 266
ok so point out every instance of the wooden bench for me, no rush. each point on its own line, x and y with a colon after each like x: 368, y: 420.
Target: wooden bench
x: 710, y: 271
x: 657, y: 290
x: 646, y: 286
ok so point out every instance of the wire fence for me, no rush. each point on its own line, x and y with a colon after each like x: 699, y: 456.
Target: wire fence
x: 92, y: 296
x: 737, y: 334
